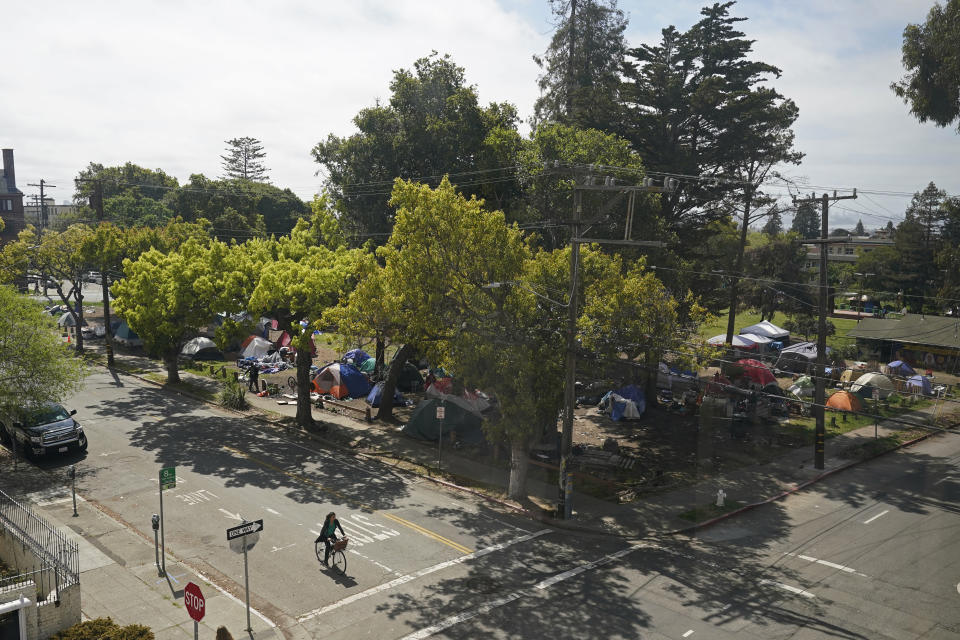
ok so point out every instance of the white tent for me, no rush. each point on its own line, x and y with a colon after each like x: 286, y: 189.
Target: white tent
x: 740, y: 342
x: 201, y: 348
x: 761, y: 340
x: 876, y: 380
x: 257, y: 348
x: 767, y: 329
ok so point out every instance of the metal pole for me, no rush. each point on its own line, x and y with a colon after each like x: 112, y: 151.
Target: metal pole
x: 156, y: 552
x: 246, y: 582
x: 163, y: 545
x: 820, y: 432
x: 440, y: 439
x: 196, y: 631
x: 564, y: 504
x: 73, y: 487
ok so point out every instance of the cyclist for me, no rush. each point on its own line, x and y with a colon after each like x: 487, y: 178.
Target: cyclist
x: 328, y: 535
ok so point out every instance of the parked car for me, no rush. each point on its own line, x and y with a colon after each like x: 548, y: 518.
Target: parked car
x: 44, y: 430
x: 92, y: 276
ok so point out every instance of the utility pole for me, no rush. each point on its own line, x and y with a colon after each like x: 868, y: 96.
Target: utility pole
x: 565, y: 503
x: 820, y: 433
x: 43, y: 202
x: 571, y: 46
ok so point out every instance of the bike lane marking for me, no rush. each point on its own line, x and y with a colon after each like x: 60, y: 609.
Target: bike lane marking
x: 419, y: 574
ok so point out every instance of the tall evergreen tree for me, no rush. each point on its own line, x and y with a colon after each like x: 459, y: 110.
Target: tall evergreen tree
x: 244, y: 160
x: 582, y: 64
x: 806, y: 221
x: 774, y: 225
x: 928, y: 209
x: 859, y: 230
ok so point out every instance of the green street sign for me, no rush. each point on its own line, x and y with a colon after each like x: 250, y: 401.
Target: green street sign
x: 168, y: 478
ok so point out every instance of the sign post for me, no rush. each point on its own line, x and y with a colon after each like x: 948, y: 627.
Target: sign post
x: 168, y: 480
x: 441, y: 414
x: 196, y: 606
x: 876, y: 412
x: 242, y: 538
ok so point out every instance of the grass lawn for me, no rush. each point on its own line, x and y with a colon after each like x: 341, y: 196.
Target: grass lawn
x: 719, y: 325
x: 803, y: 428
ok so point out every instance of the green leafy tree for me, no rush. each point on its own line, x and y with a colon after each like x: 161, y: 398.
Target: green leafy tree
x: 776, y: 264
x: 104, y: 250
x: 132, y: 195
x: 883, y: 266
x: 37, y: 367
x: 244, y: 160
x: 432, y: 125
x: 581, y: 67
x: 931, y: 58
x: 916, y: 269
x: 806, y: 221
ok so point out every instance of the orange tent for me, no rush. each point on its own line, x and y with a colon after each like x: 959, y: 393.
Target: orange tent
x: 844, y: 401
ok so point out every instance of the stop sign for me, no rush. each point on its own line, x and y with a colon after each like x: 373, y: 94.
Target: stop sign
x: 193, y: 599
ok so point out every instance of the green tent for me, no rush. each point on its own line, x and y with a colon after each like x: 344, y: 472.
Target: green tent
x: 410, y: 379
x: 368, y: 365
x: 425, y: 425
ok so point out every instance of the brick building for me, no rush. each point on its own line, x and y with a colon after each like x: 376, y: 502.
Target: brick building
x: 11, y: 199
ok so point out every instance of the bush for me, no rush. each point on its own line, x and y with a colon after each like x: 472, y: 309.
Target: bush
x: 232, y: 395
x: 104, y: 629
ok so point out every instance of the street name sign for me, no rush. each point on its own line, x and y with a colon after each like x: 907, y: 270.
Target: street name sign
x: 244, y: 529
x: 193, y: 600
x: 168, y: 478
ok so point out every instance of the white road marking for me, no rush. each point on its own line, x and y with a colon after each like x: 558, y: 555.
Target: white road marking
x: 107, y: 453
x: 958, y: 587
x: 316, y: 533
x: 234, y: 598
x: 560, y: 577
x: 882, y: 513
x: 418, y: 574
x: 276, y: 513
x: 942, y: 480
x: 787, y: 587
x: 826, y: 563
x: 275, y: 549
x: 232, y: 516
x: 688, y: 633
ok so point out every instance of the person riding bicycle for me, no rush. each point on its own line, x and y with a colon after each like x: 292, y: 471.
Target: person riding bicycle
x: 328, y: 535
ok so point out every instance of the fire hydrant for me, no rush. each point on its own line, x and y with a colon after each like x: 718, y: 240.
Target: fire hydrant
x: 721, y: 495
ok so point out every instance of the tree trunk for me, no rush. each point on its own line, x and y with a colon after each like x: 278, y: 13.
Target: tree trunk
x: 519, y: 463
x: 390, y: 384
x: 304, y: 360
x: 173, y: 366
x: 108, y: 332
x: 380, y: 355
x: 78, y: 316
x: 738, y: 265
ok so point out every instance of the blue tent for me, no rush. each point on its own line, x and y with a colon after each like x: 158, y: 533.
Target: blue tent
x: 373, y: 398
x: 617, y: 408
x: 920, y: 384
x: 901, y: 368
x: 359, y: 356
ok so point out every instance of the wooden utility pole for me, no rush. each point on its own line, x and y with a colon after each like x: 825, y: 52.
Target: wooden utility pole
x: 43, y: 203
x: 565, y: 503
x: 571, y: 46
x: 819, y: 401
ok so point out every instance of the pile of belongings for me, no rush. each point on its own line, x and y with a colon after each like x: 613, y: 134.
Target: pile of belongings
x: 261, y: 353
x: 627, y: 403
x: 376, y: 394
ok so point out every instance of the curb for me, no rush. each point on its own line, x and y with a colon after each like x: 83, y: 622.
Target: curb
x: 803, y: 485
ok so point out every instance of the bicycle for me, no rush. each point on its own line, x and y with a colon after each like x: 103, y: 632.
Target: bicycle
x: 337, y: 554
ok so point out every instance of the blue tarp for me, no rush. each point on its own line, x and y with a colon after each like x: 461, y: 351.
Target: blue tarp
x: 921, y: 384
x: 373, y: 398
x: 359, y: 356
x: 629, y: 392
x: 901, y: 368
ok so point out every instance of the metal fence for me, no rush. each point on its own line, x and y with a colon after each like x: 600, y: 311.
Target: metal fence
x: 54, y: 551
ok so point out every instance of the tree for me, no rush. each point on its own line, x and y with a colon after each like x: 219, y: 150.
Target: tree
x: 432, y: 126
x: 931, y: 58
x: 774, y: 263
x: 37, y: 368
x: 929, y: 209
x: 168, y: 297
x: 774, y: 225
x: 132, y: 195
x: 104, y: 250
x: 244, y: 160
x: 806, y: 221
x: 839, y: 232
x: 859, y: 230
x: 581, y: 67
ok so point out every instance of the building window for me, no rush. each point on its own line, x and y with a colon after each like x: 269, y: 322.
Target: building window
x: 848, y: 251
x: 6, y: 205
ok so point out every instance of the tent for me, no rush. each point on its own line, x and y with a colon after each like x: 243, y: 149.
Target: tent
x: 866, y: 383
x: 626, y: 403
x: 804, y: 386
x: 798, y: 357
x: 66, y: 320
x: 409, y: 379
x: 373, y: 398
x: 757, y: 372
x: 424, y: 424
x: 368, y: 365
x: 844, y: 401
x: 740, y: 342
x: 920, y: 384
x: 123, y: 334
x: 356, y: 356
x: 762, y: 342
x: 475, y: 402
x: 900, y: 368
x: 341, y: 381
x: 767, y: 329
x: 256, y: 347
x: 201, y: 348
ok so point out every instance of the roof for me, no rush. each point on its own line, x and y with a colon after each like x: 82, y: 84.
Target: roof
x: 766, y: 328
x: 937, y: 331
x: 5, y: 187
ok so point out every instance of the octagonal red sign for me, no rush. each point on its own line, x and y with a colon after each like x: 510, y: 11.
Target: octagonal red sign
x: 193, y: 599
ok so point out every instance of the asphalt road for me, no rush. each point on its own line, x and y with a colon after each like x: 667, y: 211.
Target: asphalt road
x: 869, y: 553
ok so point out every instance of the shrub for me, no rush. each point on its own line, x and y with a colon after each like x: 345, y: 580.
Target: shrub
x: 232, y: 395
x: 104, y: 629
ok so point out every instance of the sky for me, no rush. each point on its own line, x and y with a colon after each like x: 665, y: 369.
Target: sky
x: 164, y: 84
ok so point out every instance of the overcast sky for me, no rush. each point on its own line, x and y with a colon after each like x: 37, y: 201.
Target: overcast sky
x: 163, y: 84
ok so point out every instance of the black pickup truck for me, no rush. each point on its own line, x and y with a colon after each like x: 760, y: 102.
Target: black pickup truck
x: 44, y: 430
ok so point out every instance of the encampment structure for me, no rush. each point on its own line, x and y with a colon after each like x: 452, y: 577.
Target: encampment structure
x: 925, y: 342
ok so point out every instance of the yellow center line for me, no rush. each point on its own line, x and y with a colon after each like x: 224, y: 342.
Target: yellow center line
x: 300, y: 478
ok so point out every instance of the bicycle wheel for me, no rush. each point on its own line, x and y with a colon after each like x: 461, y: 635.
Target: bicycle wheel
x: 340, y: 562
x: 320, y: 549
x: 292, y: 383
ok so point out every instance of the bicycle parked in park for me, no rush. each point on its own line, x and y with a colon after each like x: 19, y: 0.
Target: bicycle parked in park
x: 337, y: 556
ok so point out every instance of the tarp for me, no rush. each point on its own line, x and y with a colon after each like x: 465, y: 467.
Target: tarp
x: 425, y: 425
x: 369, y: 365
x: 123, y: 334
x: 739, y: 342
x: 757, y: 372
x: 201, y: 348
x: 844, y: 401
x: 796, y: 357
x: 804, y: 382
x: 901, y: 368
x: 341, y: 381
x: 373, y: 398
x: 626, y: 403
x: 356, y: 356
x: 767, y: 329
x: 256, y: 347
x: 920, y: 384
x: 865, y: 384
